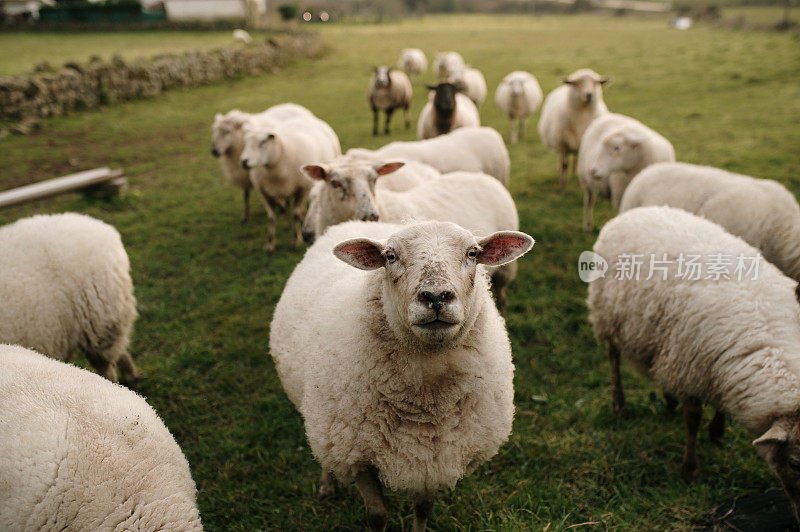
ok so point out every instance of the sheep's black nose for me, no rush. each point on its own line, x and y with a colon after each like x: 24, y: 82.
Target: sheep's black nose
x: 214, y: 152
x: 370, y: 217
x: 308, y: 237
x: 589, y: 96
x: 436, y: 302
x: 245, y: 165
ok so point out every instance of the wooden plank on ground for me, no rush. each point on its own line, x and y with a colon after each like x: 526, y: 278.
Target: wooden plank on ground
x: 59, y: 185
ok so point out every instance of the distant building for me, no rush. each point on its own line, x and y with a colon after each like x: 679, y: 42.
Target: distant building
x: 179, y: 10
x: 23, y: 8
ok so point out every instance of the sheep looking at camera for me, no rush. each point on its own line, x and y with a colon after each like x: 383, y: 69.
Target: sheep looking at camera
x: 403, y: 372
x: 412, y: 61
x: 447, y: 109
x: 389, y: 89
x: 518, y: 96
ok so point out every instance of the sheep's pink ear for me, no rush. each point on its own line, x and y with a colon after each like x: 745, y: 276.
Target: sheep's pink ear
x: 503, y: 247
x: 388, y: 168
x: 315, y: 171
x: 567, y: 81
x: 778, y: 433
x: 361, y: 253
x: 606, y: 81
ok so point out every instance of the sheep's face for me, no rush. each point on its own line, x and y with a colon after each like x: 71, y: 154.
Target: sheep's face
x: 587, y: 86
x: 444, y: 99
x: 261, y: 148
x: 347, y: 192
x: 382, y: 79
x: 430, y: 274
x: 619, y: 152
x: 780, y: 446
x: 446, y: 65
x: 516, y: 87
x: 224, y: 133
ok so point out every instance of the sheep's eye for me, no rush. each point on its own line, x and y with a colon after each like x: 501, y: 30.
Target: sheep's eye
x: 616, y: 148
x: 391, y: 256
x: 472, y: 253
x: 336, y: 184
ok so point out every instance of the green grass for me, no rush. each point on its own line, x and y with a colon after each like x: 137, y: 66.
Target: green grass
x: 21, y: 51
x: 206, y: 291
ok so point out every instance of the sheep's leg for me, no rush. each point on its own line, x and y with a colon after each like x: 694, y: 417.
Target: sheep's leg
x: 563, y: 169
x: 102, y: 365
x: 423, y: 507
x: 407, y: 115
x: 514, y: 127
x: 129, y: 373
x: 522, y: 126
x: 327, y: 485
x: 246, y: 215
x: 671, y: 401
x: 693, y: 415
x: 389, y: 112
x: 269, y: 207
x: 298, y: 215
x: 617, y: 393
x: 374, y: 121
x: 588, y: 205
x: 716, y: 429
x: 370, y: 488
x: 574, y: 164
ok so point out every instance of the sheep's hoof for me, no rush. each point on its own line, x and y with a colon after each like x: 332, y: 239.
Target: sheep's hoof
x: 326, y: 491
x: 131, y: 383
x: 377, y: 522
x: 269, y: 246
x: 244, y: 219
x: 689, y: 473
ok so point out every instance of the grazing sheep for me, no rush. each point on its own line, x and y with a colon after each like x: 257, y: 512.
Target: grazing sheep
x: 445, y: 64
x: 472, y: 149
x: 275, y: 154
x: 473, y: 200
x: 242, y: 36
x: 389, y: 89
x: 614, y: 149
x: 447, y: 109
x: 412, y: 61
x: 80, y: 453
x: 518, y: 96
x: 403, y: 374
x: 65, y: 284
x: 473, y: 83
x: 731, y: 342
x: 760, y: 211
x: 567, y: 112
x: 227, y: 143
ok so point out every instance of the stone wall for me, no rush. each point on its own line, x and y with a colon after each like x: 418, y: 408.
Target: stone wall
x: 25, y: 98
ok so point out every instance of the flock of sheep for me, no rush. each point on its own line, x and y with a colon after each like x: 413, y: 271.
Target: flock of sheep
x: 386, y: 337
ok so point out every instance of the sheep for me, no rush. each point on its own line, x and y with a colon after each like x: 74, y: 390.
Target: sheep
x: 760, y: 211
x: 227, y: 143
x: 472, y: 81
x: 567, y: 112
x: 614, y: 149
x: 447, y: 109
x: 389, y: 89
x: 403, y: 374
x: 412, y: 61
x: 732, y: 342
x: 445, y: 64
x: 65, y: 284
x: 518, y: 96
x: 80, y: 453
x: 473, y: 200
x: 275, y: 154
x: 242, y: 36
x: 472, y: 149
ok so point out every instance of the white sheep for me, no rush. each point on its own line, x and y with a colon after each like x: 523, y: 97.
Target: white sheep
x: 445, y: 64
x: 614, y: 149
x: 275, y: 154
x: 472, y: 83
x: 447, y: 109
x: 760, y: 211
x: 567, y: 112
x: 403, y: 374
x: 472, y: 149
x: 389, y: 89
x: 731, y: 342
x: 227, y: 143
x: 65, y: 285
x: 242, y: 36
x: 472, y: 200
x: 412, y: 61
x: 80, y: 453
x: 518, y: 96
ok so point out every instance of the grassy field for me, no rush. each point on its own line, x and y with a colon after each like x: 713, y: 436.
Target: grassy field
x: 206, y: 291
x: 20, y: 51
